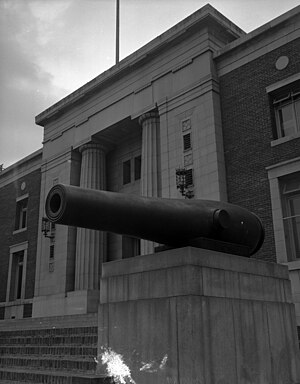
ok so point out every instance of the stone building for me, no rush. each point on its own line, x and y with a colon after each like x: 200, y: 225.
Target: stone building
x: 204, y: 96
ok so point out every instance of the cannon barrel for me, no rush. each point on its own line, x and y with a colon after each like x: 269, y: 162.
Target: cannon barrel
x: 172, y: 222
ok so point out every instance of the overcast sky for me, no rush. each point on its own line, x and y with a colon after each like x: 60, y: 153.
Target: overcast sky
x: 49, y: 48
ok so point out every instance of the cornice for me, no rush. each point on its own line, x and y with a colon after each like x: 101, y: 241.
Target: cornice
x: 21, y: 168
x: 203, y: 17
x: 257, y: 33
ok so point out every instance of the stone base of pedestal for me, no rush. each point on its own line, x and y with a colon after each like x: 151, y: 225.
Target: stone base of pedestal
x: 194, y: 316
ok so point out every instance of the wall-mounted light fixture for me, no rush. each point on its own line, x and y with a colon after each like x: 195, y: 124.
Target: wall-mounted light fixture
x: 47, y: 228
x: 182, y: 183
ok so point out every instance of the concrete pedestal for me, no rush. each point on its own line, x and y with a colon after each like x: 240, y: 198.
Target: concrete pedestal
x: 194, y: 316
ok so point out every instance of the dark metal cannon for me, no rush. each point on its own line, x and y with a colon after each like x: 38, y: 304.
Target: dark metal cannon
x: 173, y: 222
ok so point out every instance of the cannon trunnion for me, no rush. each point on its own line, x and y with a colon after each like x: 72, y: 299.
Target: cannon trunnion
x: 172, y: 222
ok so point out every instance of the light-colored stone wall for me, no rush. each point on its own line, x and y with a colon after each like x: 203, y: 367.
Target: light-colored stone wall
x: 55, y: 276
x: 178, y: 82
x: 200, y: 316
x: 201, y: 107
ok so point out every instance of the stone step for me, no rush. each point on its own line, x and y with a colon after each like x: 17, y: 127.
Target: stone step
x: 50, y: 331
x: 18, y: 376
x: 50, y: 351
x: 49, y: 340
x: 41, y: 350
x: 49, y: 363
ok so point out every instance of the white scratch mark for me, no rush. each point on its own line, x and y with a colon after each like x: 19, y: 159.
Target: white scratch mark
x: 116, y: 367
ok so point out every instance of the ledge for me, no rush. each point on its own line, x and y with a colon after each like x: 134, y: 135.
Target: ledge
x: 257, y: 32
x: 285, y: 139
x: 193, y: 256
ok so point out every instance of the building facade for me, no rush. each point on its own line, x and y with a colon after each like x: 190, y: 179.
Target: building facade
x: 262, y: 135
x: 20, y: 187
x: 204, y: 96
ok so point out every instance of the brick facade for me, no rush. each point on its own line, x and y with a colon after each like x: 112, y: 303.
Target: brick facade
x: 8, y: 195
x: 248, y: 129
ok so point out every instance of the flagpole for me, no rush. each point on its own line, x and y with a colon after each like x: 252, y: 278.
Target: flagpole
x: 117, y: 30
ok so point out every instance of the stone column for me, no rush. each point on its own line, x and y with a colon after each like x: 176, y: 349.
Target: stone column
x: 150, y: 173
x: 91, y: 244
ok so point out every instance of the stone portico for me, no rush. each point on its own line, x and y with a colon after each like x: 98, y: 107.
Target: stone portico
x: 157, y: 110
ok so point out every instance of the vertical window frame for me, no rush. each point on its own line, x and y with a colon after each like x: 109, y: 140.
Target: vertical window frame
x: 131, y: 247
x: 131, y: 168
x: 189, y: 178
x: 290, y: 99
x: 289, y: 218
x: 18, y: 274
x: 126, y: 172
x: 276, y: 173
x: 13, y: 251
x: 187, y: 141
x: 137, y: 167
x: 21, y: 216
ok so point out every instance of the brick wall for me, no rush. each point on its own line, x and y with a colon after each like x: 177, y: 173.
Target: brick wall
x: 248, y: 125
x: 8, y: 195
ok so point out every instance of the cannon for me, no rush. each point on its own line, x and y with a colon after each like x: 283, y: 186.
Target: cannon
x: 169, y: 222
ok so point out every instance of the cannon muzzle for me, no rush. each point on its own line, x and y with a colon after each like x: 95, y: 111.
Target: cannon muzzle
x: 173, y: 222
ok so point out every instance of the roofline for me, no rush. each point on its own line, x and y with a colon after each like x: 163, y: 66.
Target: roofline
x: 139, y: 56
x: 19, y: 163
x: 256, y: 32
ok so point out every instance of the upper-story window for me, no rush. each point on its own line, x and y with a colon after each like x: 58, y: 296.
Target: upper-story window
x: 189, y: 177
x: 287, y: 113
x: 132, y: 170
x: 187, y: 142
x: 290, y: 187
x: 21, y: 213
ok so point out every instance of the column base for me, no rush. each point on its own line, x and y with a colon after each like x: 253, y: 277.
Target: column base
x: 73, y: 303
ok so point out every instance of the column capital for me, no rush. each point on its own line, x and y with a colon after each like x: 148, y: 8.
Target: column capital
x: 94, y: 144
x: 148, y: 116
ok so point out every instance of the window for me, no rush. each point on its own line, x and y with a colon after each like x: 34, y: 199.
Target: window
x: 187, y: 144
x: 17, y: 272
x: 189, y: 177
x: 137, y: 167
x: 290, y: 189
x: 287, y: 112
x: 21, y: 213
x: 130, y: 247
x: 16, y: 280
x: 127, y: 172
x: 51, y: 252
x: 132, y: 169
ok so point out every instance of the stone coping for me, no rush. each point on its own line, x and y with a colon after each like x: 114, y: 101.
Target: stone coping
x: 197, y: 257
x: 264, y: 29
